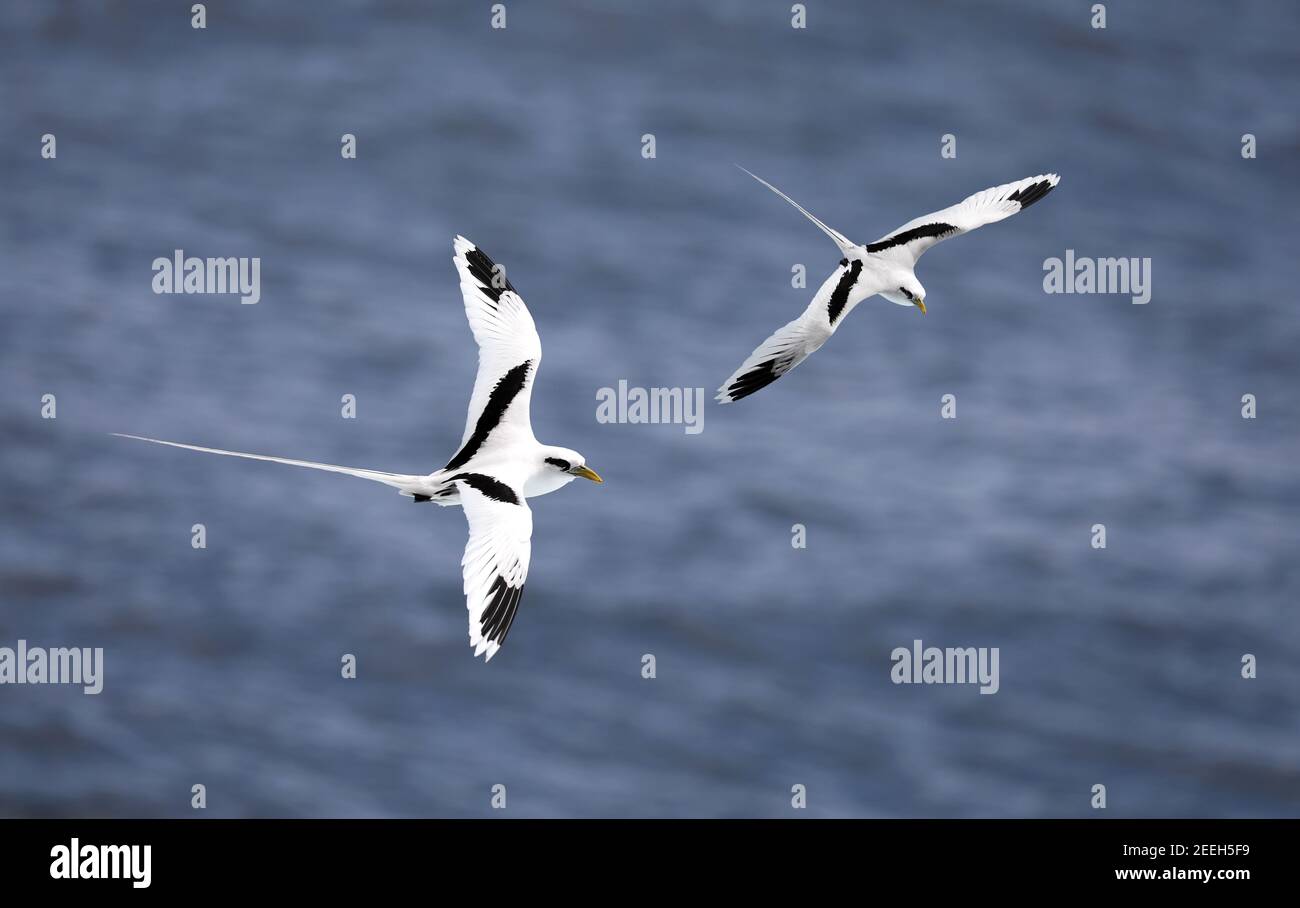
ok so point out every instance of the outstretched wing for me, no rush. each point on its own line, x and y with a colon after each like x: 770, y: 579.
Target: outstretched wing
x: 793, y: 342
x: 913, y: 238
x: 496, y: 557
x: 509, y: 352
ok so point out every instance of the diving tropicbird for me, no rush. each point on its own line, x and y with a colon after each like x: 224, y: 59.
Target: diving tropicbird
x: 500, y: 463
x: 883, y: 267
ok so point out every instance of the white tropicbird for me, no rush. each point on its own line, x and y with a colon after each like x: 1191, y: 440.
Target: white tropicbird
x: 500, y: 463
x: 883, y: 267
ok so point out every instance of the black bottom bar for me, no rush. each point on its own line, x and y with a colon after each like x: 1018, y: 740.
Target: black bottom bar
x: 217, y: 857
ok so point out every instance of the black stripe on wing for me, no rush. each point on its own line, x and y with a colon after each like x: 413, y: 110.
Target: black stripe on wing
x: 840, y: 295
x: 487, y: 273
x: 1030, y: 194
x: 503, y: 603
x: 505, y: 391
x: 492, y: 488
x: 937, y: 229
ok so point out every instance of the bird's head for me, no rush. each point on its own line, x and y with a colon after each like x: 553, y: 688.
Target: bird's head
x: 568, y: 462
x: 909, y: 292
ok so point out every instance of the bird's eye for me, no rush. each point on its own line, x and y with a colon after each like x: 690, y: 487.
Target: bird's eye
x: 558, y: 463
x: 907, y: 293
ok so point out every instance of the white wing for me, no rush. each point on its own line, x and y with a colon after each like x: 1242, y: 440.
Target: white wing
x: 404, y: 482
x: 509, y: 352
x: 913, y: 238
x: 496, y: 557
x: 793, y: 343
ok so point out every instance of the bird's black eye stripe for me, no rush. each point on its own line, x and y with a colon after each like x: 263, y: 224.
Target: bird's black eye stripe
x: 907, y: 293
x: 557, y: 462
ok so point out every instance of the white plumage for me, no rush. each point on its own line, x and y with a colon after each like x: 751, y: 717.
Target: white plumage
x: 883, y: 267
x: 499, y: 464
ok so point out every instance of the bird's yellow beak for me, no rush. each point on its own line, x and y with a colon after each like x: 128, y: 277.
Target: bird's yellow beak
x: 920, y: 304
x: 586, y: 473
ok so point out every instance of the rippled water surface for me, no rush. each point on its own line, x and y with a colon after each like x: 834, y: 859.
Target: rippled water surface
x: 1119, y: 667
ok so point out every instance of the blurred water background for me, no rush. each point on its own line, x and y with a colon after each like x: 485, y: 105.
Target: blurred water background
x: 1119, y: 667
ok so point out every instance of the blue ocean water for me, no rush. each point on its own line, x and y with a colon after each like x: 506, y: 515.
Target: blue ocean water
x: 1118, y: 667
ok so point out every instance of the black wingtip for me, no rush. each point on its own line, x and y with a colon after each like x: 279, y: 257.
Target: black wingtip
x: 500, y: 613
x: 755, y: 379
x: 487, y: 273
x: 1028, y: 195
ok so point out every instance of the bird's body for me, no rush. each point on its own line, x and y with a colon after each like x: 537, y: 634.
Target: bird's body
x: 499, y: 464
x: 884, y: 267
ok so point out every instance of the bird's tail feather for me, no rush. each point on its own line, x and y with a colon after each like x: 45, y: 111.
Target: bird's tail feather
x: 845, y: 244
x: 404, y: 483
